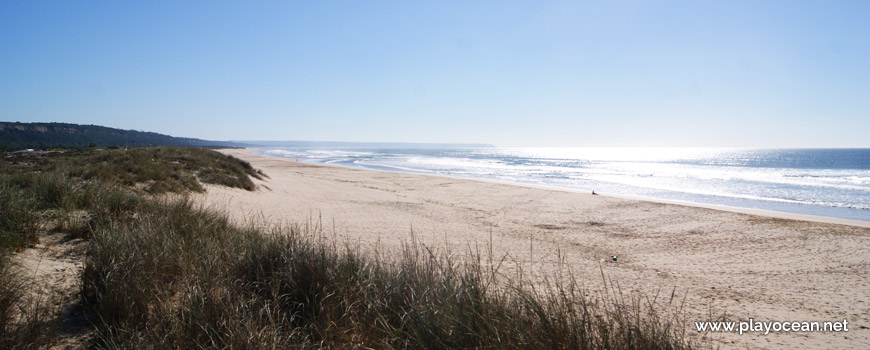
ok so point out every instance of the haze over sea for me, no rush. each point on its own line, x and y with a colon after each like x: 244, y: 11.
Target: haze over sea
x: 824, y: 182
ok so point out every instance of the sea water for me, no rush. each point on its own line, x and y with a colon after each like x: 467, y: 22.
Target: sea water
x: 824, y: 182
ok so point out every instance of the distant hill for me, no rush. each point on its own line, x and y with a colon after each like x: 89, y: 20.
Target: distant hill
x: 15, y: 136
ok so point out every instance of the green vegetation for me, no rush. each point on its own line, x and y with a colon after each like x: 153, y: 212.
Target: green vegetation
x: 155, y: 170
x: 16, y: 136
x: 32, y: 204
x: 163, y: 273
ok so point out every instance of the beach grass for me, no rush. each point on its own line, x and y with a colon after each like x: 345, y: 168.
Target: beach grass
x: 182, y: 277
x: 162, y: 272
x: 154, y: 170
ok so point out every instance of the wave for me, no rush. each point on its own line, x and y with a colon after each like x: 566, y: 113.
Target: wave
x: 683, y: 174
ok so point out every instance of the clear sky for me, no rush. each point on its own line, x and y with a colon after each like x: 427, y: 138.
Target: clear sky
x: 525, y: 73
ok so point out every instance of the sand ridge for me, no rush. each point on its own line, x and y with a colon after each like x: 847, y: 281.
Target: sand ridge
x: 744, y: 265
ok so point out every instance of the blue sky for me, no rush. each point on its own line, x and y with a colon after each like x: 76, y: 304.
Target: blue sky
x: 524, y: 73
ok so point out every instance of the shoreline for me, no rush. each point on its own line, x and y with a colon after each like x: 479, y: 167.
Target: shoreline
x: 722, y: 262
x: 733, y: 209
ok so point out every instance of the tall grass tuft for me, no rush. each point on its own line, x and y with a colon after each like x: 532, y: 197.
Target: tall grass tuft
x: 27, y: 319
x: 19, y: 220
x: 183, y: 277
x: 10, y: 293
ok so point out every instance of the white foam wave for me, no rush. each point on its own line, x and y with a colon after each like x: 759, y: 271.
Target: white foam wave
x: 629, y: 168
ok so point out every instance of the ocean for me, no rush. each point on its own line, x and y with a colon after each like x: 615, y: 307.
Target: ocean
x: 824, y: 182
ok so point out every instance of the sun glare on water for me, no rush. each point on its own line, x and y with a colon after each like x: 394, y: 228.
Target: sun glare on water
x: 637, y: 154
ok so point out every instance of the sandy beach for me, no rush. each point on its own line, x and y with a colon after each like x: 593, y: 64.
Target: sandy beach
x: 741, y: 265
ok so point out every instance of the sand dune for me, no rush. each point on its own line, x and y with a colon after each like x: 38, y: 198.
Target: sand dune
x: 748, y: 266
